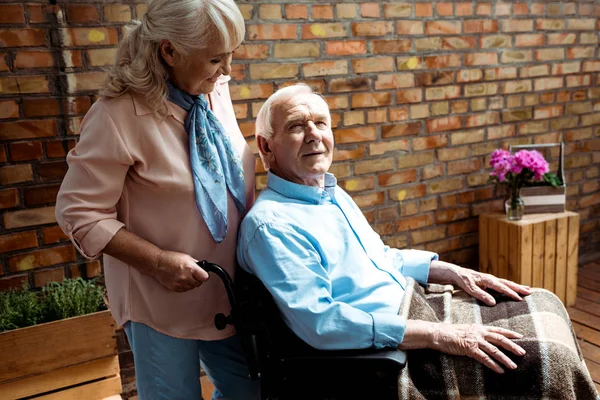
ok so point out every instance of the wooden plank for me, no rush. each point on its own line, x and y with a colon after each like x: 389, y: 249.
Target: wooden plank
x: 549, y: 254
x: 587, y: 306
x: 514, y: 250
x: 584, y: 318
x: 537, y: 267
x: 60, y: 378
x: 560, y: 274
x: 594, y: 369
x: 58, y: 344
x: 588, y: 274
x: 587, y: 294
x: 92, y: 391
x: 483, y: 244
x: 586, y: 333
x: 572, y: 255
x: 525, y: 255
x: 590, y: 351
x: 590, y: 284
x: 493, y: 247
x: 502, y: 249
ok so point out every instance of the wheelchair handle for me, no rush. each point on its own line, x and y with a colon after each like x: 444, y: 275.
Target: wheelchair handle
x: 225, y: 277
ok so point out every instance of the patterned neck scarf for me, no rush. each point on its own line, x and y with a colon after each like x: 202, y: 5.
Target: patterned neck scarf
x: 216, y: 167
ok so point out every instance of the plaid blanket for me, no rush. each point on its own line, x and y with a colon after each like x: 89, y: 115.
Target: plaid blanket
x: 553, y: 367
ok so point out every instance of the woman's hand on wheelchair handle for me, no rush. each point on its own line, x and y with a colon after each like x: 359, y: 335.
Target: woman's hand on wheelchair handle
x: 179, y: 272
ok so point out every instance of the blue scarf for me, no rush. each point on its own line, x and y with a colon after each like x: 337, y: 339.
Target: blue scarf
x: 215, y: 165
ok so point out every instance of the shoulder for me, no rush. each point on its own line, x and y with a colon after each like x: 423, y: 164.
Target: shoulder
x: 270, y: 210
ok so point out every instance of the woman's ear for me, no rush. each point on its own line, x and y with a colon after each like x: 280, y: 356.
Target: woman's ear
x: 167, y: 51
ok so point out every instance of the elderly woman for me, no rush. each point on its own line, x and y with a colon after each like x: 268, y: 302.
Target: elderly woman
x: 160, y: 179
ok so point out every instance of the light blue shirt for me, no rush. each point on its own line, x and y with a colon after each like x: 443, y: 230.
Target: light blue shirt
x: 337, y: 284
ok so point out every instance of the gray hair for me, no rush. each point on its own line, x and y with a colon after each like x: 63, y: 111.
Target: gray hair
x: 264, y: 120
x: 189, y: 25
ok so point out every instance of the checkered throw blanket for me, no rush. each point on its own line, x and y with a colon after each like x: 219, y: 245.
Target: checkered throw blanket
x: 553, y: 367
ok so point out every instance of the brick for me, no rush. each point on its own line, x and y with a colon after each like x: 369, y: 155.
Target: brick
x: 547, y: 112
x: 443, y: 28
x: 442, y: 93
x: 409, y: 224
x: 454, y: 153
x: 340, y: 170
x: 341, y: 48
x: 52, y: 171
x: 85, y: 81
x: 509, y: 57
x: 383, y: 147
x: 481, y: 89
x: 444, y: 61
x: 429, y: 142
x: 372, y: 28
x: 256, y: 91
x: 500, y: 73
x: 369, y: 200
x: 8, y: 109
x: 463, y: 167
x: 89, y: 36
x: 13, y: 282
x: 517, y: 25
x: 37, y: 107
x: 18, y: 241
x: 354, y: 118
x: 407, y: 129
x: 577, y: 24
x: 395, y: 81
x: 371, y: 100
x: 440, y: 108
x: 29, y: 217
x: 101, y: 57
x: 481, y: 26
x: 41, y: 195
x: 3, y: 156
x: 535, y: 71
x: 548, y: 84
x: 530, y: 40
x: 465, y: 137
x: 273, y: 71
x: 325, y: 30
x: 428, y: 44
x: 428, y: 235
x: 245, y: 9
x: 445, y: 185
x: 348, y: 85
x: 338, y: 67
x: 410, y: 28
x: 12, y: 174
x: 12, y: 14
x: 423, y: 10
x: 269, y: 11
x: 589, y: 66
x: 353, y: 135
x: 376, y: 165
x: 588, y: 38
x: 376, y: 116
x: 345, y: 155
x: 444, y: 124
x: 409, y: 96
x: 398, y: 114
x: 335, y: 103
x: 373, y: 64
x: 470, y: 75
x: 522, y: 86
x: 391, y: 46
x: 346, y: 11
x: 298, y: 50
x: 370, y: 10
x: 419, y: 111
x: 484, y: 9
x: 42, y: 278
x: 9, y: 198
x: 549, y: 54
x: 34, y: 59
x: 578, y: 80
x: 358, y: 185
x: 408, y: 63
x: 53, y: 234
x: 458, y: 43
x: 25, y: 151
x: 562, y: 38
x: 444, y: 9
x: 272, y: 32
x: 23, y: 37
x: 550, y: 24
x: 82, y: 13
x: 489, y: 118
x: 580, y: 52
x: 568, y: 68
x: 397, y: 10
x: 322, y: 12
x: 296, y: 11
x: 495, y: 41
x: 517, y: 115
x: 259, y: 51
x: 481, y: 59
x: 415, y: 160
x: 408, y: 193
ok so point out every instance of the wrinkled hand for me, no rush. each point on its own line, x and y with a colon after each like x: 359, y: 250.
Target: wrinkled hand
x: 478, y: 342
x: 179, y: 272
x: 474, y: 283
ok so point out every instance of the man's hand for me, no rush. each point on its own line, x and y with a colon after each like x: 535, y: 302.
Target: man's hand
x: 474, y: 283
x: 178, y: 272
x: 476, y: 341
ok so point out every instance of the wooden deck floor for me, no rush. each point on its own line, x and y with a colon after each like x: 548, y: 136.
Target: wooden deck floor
x: 585, y: 316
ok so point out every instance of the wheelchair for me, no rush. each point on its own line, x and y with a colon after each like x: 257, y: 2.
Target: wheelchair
x: 287, y: 367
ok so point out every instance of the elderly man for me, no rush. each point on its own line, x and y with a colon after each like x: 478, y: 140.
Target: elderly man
x: 339, y: 287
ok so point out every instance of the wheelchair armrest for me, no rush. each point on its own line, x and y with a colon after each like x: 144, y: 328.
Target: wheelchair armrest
x: 389, y: 357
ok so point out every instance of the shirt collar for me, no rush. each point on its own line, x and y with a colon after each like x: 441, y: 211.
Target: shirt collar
x: 297, y: 191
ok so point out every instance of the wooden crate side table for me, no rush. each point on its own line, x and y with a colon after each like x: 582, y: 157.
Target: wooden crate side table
x: 540, y: 250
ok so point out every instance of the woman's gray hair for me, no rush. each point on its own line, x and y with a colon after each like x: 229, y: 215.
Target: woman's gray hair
x: 189, y: 25
x: 264, y: 120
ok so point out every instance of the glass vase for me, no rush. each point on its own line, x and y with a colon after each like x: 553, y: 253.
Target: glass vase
x: 514, y: 205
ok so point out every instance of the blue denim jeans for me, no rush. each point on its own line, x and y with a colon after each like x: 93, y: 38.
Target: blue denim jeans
x: 168, y: 368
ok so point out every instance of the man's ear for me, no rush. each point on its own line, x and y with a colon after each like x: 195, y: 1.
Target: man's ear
x: 264, y: 147
x: 167, y: 51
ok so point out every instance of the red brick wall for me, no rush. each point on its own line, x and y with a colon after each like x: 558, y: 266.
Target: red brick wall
x: 421, y: 93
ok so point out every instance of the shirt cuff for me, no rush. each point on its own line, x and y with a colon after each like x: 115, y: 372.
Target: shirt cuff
x: 98, y: 237
x: 416, y: 264
x: 388, y: 330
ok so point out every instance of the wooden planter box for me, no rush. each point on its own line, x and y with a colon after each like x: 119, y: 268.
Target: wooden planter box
x: 75, y: 358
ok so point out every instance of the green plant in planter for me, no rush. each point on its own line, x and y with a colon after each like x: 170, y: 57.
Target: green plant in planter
x: 19, y: 308
x: 71, y: 298
x: 24, y: 307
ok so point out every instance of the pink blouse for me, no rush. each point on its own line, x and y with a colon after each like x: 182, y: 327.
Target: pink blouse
x: 130, y: 169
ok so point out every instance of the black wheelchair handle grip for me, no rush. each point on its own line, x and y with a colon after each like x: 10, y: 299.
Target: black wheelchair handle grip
x: 224, y: 276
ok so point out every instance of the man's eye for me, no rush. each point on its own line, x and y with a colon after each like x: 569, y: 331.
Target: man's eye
x: 321, y: 123
x: 295, y: 126
x: 215, y: 61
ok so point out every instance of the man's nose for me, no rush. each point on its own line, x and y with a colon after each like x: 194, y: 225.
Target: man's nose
x: 312, y: 133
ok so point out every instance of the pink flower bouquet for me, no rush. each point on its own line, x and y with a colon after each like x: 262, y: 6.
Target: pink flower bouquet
x: 524, y: 168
